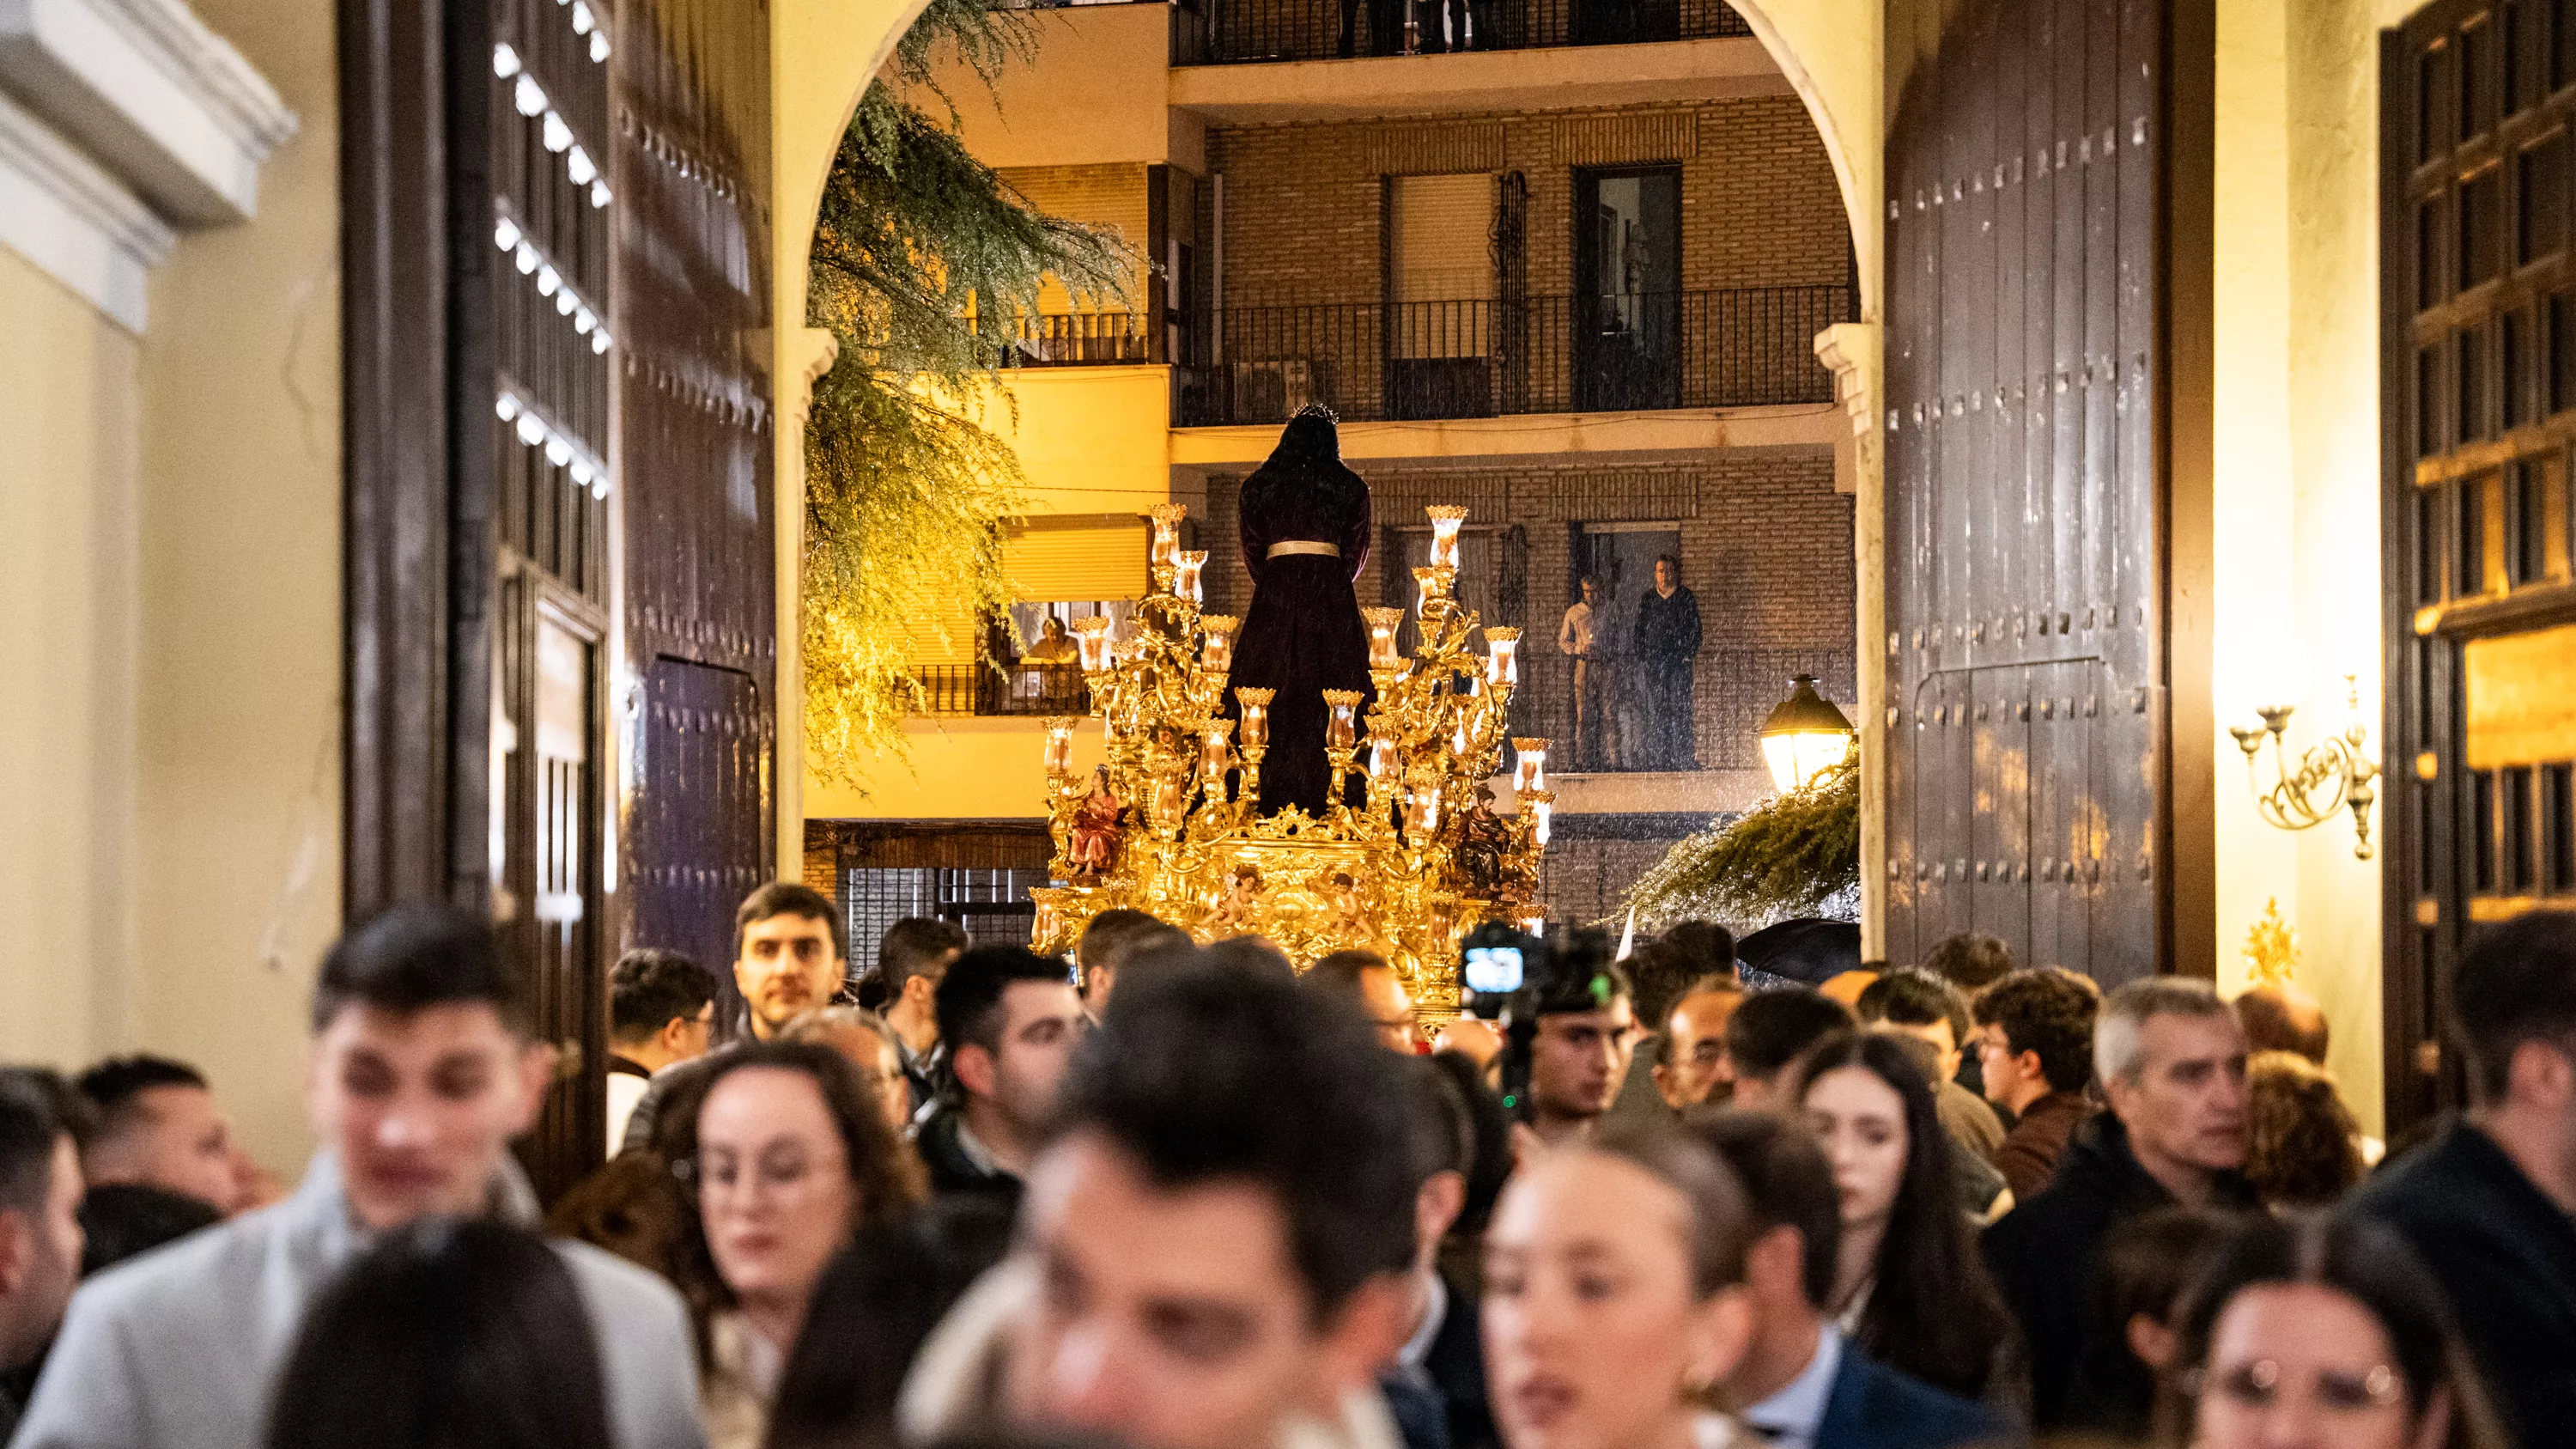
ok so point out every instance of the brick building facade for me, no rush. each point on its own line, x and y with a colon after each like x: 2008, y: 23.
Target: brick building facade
x: 1304, y: 201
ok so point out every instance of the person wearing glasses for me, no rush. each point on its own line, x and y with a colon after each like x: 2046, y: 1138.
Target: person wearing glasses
x: 784, y: 1156
x: 2324, y: 1330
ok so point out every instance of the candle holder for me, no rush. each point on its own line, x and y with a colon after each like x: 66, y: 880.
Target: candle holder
x: 1185, y: 581
x: 1216, y: 642
x: 1091, y: 639
x: 1530, y: 765
x: 1540, y: 806
x: 1216, y: 758
x: 1382, y: 626
x: 1502, y: 655
x: 1167, y: 532
x: 1431, y: 587
x: 1445, y: 520
x: 1255, y: 735
x: 1059, y: 747
x: 1164, y: 556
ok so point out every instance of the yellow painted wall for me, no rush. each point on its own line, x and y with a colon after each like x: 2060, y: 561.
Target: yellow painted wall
x: 237, y: 744
x: 170, y: 595
x: 2297, y: 488
x: 1100, y: 96
x: 960, y: 769
x: 1091, y: 439
x: 67, y: 868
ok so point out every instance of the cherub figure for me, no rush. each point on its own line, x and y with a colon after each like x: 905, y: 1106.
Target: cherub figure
x: 1234, y: 906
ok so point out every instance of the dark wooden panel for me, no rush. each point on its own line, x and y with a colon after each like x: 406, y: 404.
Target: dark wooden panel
x: 696, y: 839
x: 2025, y: 416
x: 695, y: 439
x: 2478, y: 414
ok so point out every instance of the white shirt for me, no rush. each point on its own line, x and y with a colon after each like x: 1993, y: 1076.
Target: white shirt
x: 1435, y: 1311
x: 625, y: 1089
x: 1574, y: 636
x: 1789, y: 1419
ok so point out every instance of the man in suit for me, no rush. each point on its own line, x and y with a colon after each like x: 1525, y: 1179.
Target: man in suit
x: 2487, y: 1202
x: 1801, y: 1384
x: 1435, y: 1388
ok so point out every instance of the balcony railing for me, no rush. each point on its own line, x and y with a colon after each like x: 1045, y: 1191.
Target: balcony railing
x: 1734, y: 688
x: 1079, y: 339
x: 1232, y: 32
x: 1742, y: 347
x: 1009, y: 689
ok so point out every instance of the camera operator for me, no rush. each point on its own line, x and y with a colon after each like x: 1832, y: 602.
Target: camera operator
x: 1586, y: 1017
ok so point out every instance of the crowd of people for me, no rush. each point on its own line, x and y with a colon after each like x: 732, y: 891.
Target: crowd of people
x: 1172, y: 1196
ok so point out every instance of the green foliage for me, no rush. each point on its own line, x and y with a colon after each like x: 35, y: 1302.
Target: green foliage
x: 905, y: 488
x: 1784, y: 857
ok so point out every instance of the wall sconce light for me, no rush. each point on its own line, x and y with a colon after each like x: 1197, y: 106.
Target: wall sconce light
x: 2329, y: 777
x: 1805, y: 736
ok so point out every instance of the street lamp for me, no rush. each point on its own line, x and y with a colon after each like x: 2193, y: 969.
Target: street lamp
x: 1805, y: 736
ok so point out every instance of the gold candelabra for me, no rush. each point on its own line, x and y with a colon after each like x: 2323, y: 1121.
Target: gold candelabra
x: 2332, y: 775
x: 1170, y: 824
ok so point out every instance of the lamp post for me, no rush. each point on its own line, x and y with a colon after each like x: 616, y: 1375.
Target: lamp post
x: 1804, y: 736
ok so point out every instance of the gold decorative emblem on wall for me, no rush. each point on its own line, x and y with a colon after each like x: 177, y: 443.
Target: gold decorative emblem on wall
x: 2271, y: 948
x: 1168, y: 825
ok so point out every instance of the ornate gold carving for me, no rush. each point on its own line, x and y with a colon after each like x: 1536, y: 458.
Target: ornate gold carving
x: 1426, y: 857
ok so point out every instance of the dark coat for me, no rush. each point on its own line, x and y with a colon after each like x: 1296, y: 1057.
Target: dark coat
x: 1457, y: 1415
x: 2506, y: 1255
x: 1873, y: 1406
x: 1667, y: 629
x: 2042, y: 1255
x: 950, y: 1169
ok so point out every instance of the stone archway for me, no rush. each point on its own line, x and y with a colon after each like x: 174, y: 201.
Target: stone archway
x: 824, y: 53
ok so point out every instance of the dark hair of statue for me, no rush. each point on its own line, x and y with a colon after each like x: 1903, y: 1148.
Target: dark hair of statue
x: 1932, y: 1310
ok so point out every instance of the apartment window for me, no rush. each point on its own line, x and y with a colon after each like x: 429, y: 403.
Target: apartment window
x: 1440, y: 296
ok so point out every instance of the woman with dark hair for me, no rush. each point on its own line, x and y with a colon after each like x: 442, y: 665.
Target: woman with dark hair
x: 1305, y: 527
x: 448, y: 1334
x: 2322, y: 1330
x: 871, y: 1311
x: 1911, y: 1290
x: 786, y: 1155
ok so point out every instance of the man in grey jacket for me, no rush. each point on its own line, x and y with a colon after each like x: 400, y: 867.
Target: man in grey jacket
x: 423, y: 1070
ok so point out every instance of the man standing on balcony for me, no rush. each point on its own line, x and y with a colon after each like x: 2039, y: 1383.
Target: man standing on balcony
x: 1667, y: 641
x: 1574, y: 640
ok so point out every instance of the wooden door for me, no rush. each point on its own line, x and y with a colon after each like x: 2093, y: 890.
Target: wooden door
x: 558, y: 445
x: 2478, y: 331
x: 2026, y: 772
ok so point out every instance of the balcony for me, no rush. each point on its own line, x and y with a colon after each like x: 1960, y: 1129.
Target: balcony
x: 1013, y: 689
x: 1421, y: 361
x: 1079, y: 339
x: 1237, y: 32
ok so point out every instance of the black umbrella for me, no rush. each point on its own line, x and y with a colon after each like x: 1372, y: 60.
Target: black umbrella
x: 1807, y: 951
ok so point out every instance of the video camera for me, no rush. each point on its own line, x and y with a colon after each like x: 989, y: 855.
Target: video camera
x: 1512, y: 978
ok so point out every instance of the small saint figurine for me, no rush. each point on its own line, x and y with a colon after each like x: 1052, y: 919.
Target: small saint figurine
x: 1095, y: 829
x: 1483, y: 841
